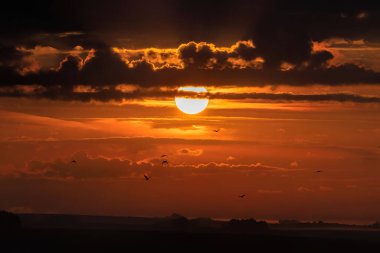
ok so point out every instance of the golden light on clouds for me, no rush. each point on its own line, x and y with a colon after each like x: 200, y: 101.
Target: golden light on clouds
x: 185, y: 53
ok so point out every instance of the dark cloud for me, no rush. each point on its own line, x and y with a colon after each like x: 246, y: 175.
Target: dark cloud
x: 12, y: 60
x: 196, y: 56
x: 207, y: 56
x: 244, y: 51
x: 282, y: 40
x: 135, y: 21
x: 107, y: 68
x: 9, y: 55
x: 113, y: 94
x: 338, y: 97
x: 282, y: 32
x: 319, y: 59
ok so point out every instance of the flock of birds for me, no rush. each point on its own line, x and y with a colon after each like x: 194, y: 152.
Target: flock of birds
x: 165, y: 163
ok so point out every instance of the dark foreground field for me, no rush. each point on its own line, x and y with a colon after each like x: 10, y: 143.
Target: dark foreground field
x: 176, y: 233
x: 78, y: 240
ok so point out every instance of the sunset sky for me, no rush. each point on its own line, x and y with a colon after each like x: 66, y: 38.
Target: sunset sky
x: 87, y: 107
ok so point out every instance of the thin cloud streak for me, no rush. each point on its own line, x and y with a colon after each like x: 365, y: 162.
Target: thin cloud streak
x: 115, y: 95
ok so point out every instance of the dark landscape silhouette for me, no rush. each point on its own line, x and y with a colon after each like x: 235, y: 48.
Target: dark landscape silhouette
x: 84, y: 233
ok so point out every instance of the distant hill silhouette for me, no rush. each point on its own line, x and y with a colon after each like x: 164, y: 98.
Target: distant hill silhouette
x: 295, y: 224
x: 177, y: 233
x: 9, y: 222
x: 376, y: 224
x: 288, y: 222
x: 179, y: 222
x: 247, y: 226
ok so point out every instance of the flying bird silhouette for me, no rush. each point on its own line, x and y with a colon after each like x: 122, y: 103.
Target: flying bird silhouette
x: 216, y: 130
x: 165, y: 163
x: 318, y: 171
x: 73, y: 161
x: 146, y: 177
x: 242, y: 196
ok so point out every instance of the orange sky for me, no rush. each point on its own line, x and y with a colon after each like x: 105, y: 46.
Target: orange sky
x: 268, y: 151
x: 292, y: 88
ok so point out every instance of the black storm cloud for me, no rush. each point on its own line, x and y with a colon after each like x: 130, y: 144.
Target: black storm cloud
x: 241, y: 43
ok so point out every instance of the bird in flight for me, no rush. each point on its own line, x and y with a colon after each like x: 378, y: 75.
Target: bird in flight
x: 318, y: 171
x: 216, y: 130
x: 164, y: 156
x: 73, y: 161
x: 165, y: 163
x: 242, y: 196
x: 147, y: 177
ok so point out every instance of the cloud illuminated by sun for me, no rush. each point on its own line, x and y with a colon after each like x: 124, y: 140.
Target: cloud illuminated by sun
x: 191, y: 104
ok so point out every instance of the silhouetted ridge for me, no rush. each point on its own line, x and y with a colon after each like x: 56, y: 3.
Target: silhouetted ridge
x: 9, y: 222
x: 247, y: 226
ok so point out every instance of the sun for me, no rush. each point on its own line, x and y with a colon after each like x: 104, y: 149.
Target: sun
x: 191, y: 99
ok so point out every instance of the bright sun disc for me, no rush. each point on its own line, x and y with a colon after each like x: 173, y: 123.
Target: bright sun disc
x: 194, y: 101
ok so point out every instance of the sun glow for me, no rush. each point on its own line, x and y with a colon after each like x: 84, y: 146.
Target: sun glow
x: 191, y: 100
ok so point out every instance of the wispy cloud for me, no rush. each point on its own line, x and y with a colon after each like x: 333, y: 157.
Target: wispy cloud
x: 82, y: 166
